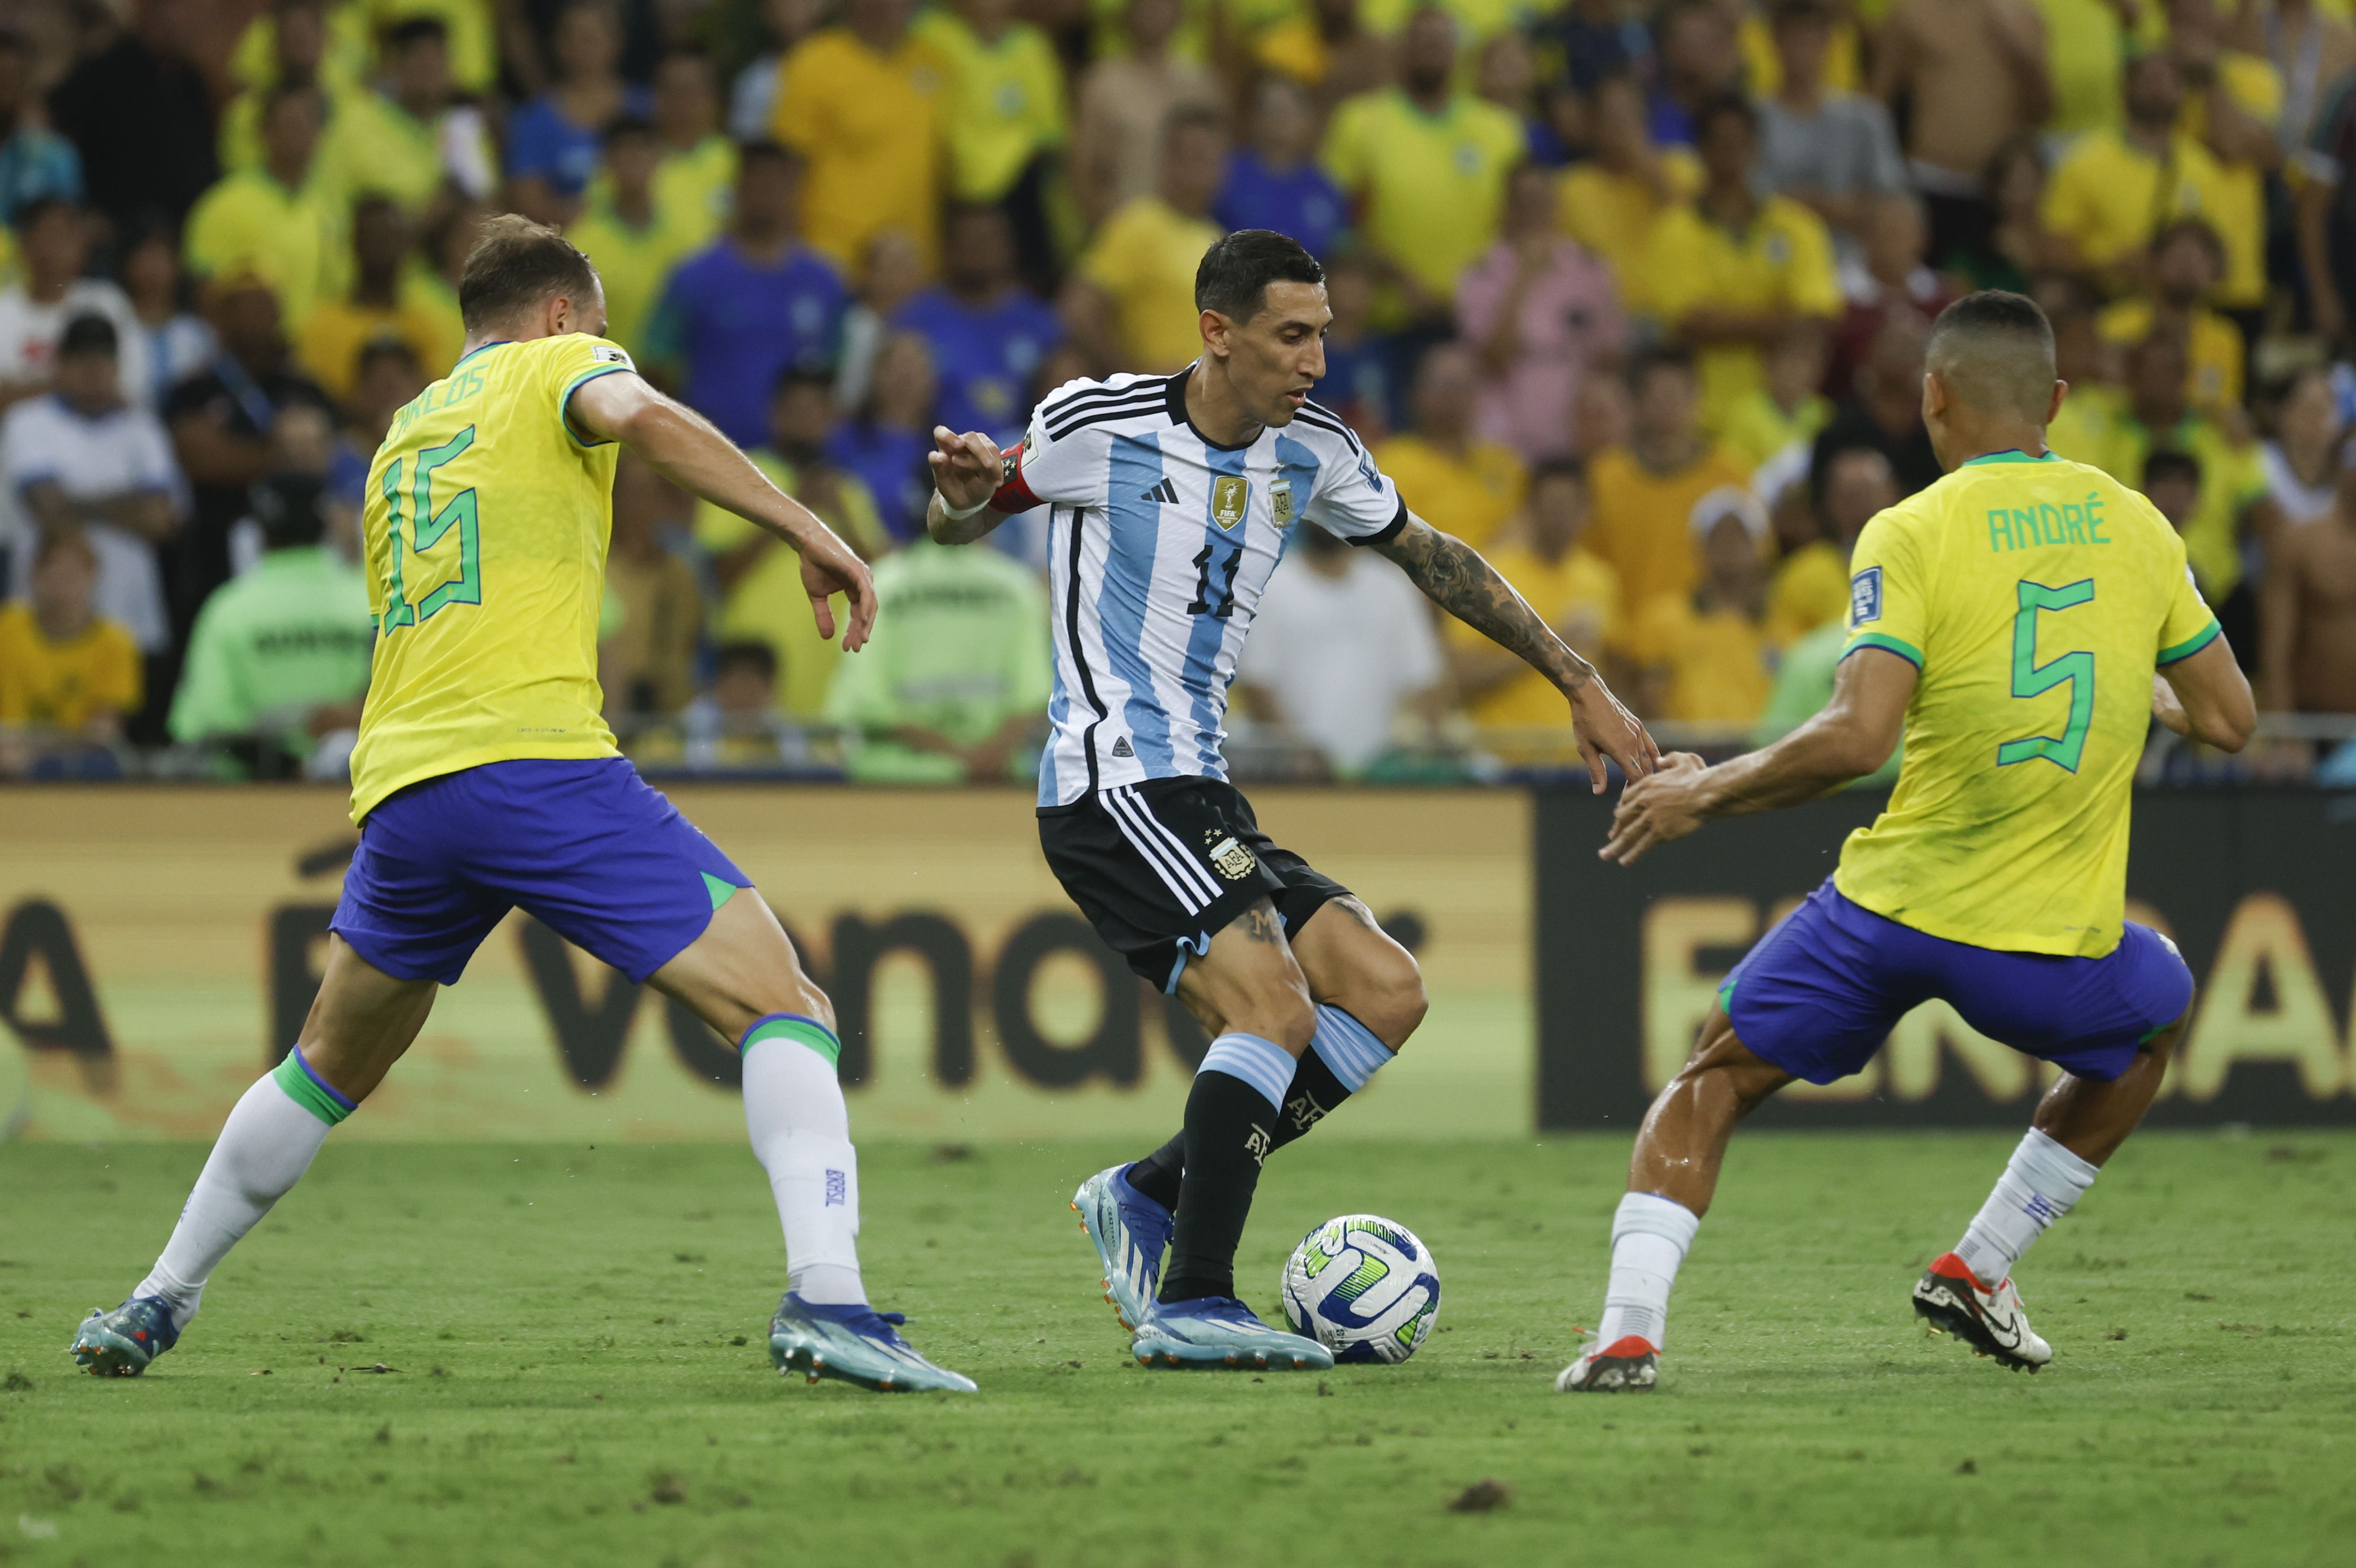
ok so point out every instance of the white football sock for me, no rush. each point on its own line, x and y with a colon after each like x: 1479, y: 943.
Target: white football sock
x: 1649, y: 1237
x: 2039, y: 1183
x: 802, y: 1134
x: 265, y: 1147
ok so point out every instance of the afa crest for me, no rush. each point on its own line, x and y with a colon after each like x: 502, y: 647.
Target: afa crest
x: 1230, y: 498
x: 1279, y: 502
x: 1229, y: 859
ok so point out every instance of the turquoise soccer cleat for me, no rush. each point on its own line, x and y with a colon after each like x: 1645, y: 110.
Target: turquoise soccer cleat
x: 119, y: 1344
x: 1219, y: 1331
x: 855, y: 1344
x: 1130, y: 1232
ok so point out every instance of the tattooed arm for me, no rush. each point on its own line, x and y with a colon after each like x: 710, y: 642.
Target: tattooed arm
x: 1453, y: 576
x: 1853, y: 735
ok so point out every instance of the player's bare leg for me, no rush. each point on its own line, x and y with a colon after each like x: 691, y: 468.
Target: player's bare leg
x: 743, y: 977
x: 358, y: 1026
x: 2080, y: 1124
x: 1672, y: 1177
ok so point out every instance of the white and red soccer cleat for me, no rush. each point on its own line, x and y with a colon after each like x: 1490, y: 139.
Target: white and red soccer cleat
x: 1990, y: 1319
x: 1627, y: 1365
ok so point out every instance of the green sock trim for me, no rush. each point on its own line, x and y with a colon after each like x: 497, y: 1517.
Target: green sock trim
x: 303, y: 1092
x: 790, y: 1026
x: 721, y: 892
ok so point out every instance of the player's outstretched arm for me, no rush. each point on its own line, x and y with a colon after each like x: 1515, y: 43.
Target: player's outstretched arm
x: 1453, y: 576
x: 2207, y: 697
x: 1852, y: 736
x: 967, y: 472
x: 685, y: 449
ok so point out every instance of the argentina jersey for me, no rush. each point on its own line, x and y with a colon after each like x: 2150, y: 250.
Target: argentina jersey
x: 1161, y: 543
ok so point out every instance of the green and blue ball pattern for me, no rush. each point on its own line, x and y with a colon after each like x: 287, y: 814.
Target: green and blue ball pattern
x: 1363, y: 1287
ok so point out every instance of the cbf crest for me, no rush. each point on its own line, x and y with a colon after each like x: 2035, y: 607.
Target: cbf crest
x: 1228, y: 858
x: 1230, y: 497
x: 1280, y: 503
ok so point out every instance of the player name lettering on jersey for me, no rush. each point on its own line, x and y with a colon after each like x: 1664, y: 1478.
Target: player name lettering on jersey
x: 2072, y: 522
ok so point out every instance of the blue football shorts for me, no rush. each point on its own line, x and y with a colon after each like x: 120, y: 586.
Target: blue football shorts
x: 1819, y: 993
x: 586, y: 846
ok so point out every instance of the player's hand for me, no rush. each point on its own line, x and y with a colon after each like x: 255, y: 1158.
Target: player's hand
x: 966, y: 467
x: 829, y: 568
x: 2167, y: 708
x: 1604, y: 727
x: 1656, y: 809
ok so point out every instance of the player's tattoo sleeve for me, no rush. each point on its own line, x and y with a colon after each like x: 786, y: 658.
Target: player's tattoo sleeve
x: 1453, y: 576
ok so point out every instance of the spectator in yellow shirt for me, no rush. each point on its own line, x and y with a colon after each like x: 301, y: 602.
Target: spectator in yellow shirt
x: 860, y: 102
x: 2116, y: 187
x: 384, y: 301
x: 1123, y: 101
x: 1731, y: 271
x: 1002, y: 113
x: 266, y: 222
x: 1810, y: 585
x: 1132, y: 297
x: 697, y: 170
x: 1425, y: 164
x: 2233, y: 103
x: 1573, y: 590
x: 409, y: 140
x: 2187, y: 262
x: 1705, y: 656
x: 1645, y: 492
x: 1610, y: 201
x: 1461, y: 482
x: 294, y: 51
x: 634, y: 239
x: 62, y: 667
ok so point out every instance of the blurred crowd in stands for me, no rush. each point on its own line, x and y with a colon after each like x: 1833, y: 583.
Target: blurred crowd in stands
x: 1631, y: 297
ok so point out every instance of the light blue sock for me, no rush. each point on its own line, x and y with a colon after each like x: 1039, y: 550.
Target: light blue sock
x: 1349, y: 1050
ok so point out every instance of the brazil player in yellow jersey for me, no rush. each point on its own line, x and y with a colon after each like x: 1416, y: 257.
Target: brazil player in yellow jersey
x: 485, y: 780
x: 2021, y: 621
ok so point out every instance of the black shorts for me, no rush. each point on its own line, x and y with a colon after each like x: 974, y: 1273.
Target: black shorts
x: 1160, y: 867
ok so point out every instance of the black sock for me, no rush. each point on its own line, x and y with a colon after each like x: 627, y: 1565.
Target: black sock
x: 1312, y: 1095
x: 1228, y: 1135
x: 1158, y: 1173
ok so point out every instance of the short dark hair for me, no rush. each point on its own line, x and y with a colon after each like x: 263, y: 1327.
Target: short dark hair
x: 764, y: 150
x: 1235, y: 272
x: 629, y: 124
x: 515, y: 265
x: 2167, y: 462
x: 800, y: 378
x: 413, y: 30
x: 288, y: 505
x: 1570, y: 468
x: 1192, y: 117
x: 2200, y: 230
x: 377, y: 351
x: 1995, y: 350
x: 745, y: 654
x: 33, y: 211
x: 88, y: 334
x: 1660, y: 356
x: 1723, y: 106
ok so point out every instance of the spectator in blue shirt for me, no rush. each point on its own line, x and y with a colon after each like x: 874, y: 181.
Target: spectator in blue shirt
x: 1275, y: 181
x: 987, y: 332
x: 884, y: 442
x: 34, y: 161
x: 736, y: 317
x: 554, y: 141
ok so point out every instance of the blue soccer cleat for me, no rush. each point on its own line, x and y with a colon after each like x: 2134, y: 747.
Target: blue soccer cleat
x: 856, y: 1344
x: 119, y: 1344
x: 1219, y: 1331
x: 1130, y: 1231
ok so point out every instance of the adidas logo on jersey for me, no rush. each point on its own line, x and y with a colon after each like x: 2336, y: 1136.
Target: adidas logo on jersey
x: 1166, y: 493
x: 1121, y: 748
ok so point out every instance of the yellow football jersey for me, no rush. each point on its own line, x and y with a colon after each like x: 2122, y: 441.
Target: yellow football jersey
x: 2036, y: 596
x: 487, y: 522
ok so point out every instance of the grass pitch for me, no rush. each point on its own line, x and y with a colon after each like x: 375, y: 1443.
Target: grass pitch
x: 574, y: 1340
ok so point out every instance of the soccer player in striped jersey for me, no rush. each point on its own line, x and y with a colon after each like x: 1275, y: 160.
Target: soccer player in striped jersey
x: 1171, y: 498
x: 2021, y: 621
x: 486, y: 779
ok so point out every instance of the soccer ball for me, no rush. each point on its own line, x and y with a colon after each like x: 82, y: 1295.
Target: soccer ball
x: 1363, y: 1287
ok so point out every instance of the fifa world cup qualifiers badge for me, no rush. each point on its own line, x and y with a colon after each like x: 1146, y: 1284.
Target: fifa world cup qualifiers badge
x: 1865, y: 597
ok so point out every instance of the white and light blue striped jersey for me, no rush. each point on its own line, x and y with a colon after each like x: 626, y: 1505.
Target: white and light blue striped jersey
x: 1161, y: 543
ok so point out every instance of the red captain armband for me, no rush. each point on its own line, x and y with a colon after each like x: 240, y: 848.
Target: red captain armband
x: 1013, y: 494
